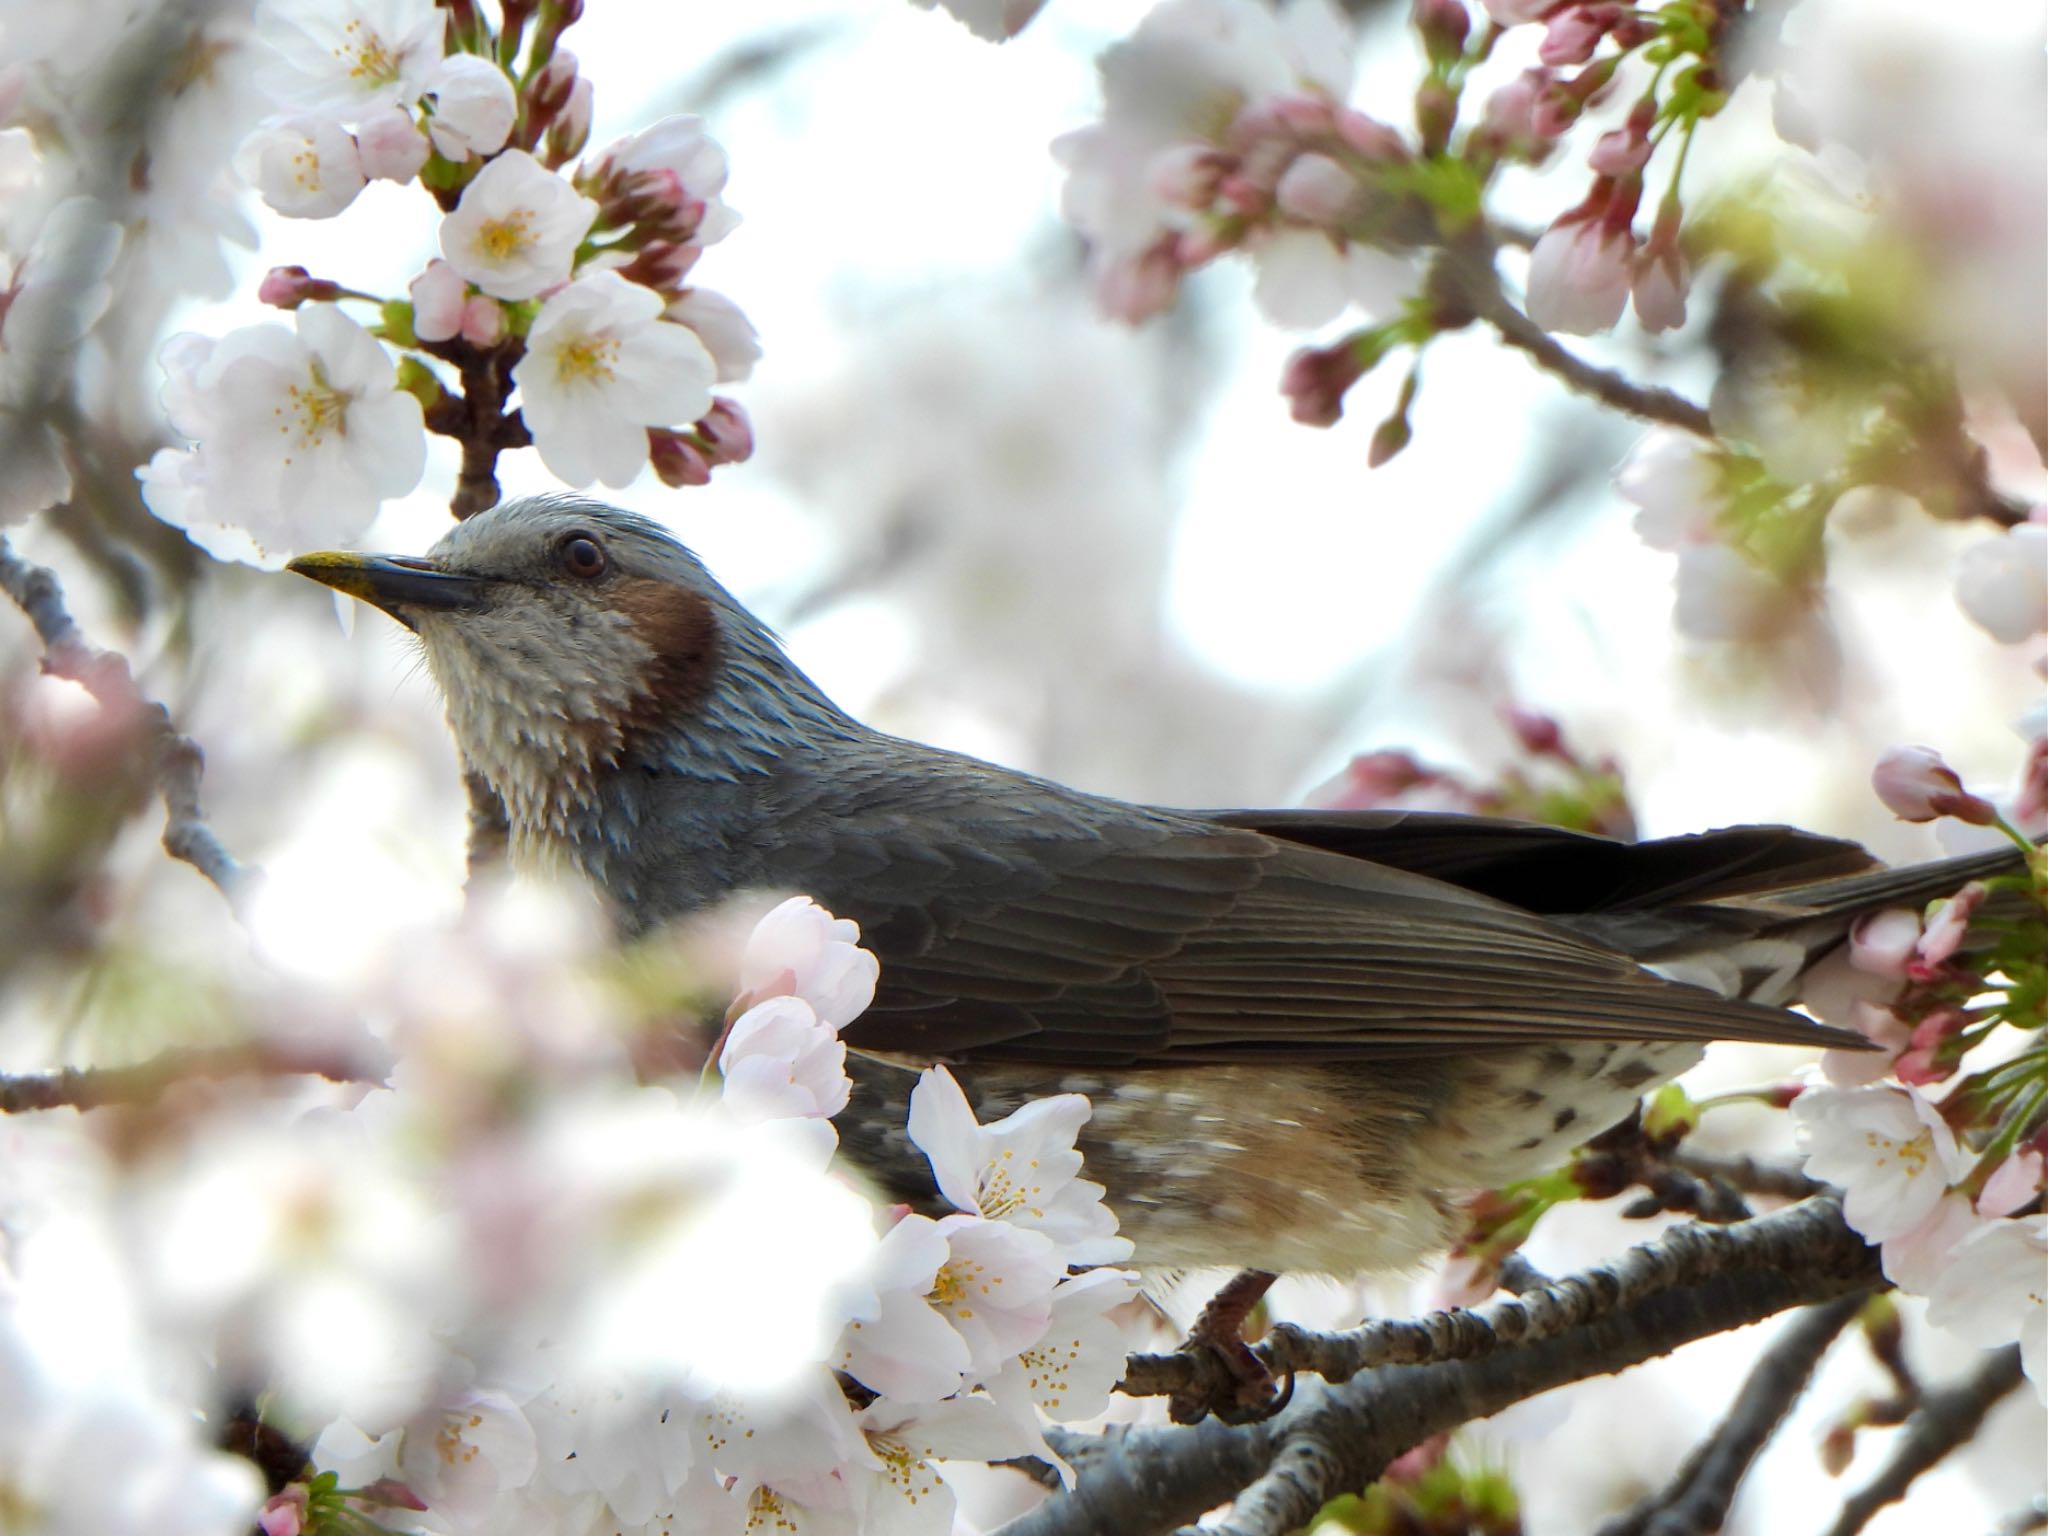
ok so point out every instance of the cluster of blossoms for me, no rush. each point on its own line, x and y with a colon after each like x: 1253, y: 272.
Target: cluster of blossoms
x: 489, y: 1307
x: 567, y: 284
x: 1940, y: 1140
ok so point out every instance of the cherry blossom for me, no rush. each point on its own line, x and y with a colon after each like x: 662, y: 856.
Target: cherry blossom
x: 1889, y: 1150
x: 298, y: 434
x: 304, y: 167
x: 1948, y: 923
x: 352, y: 57
x: 781, y: 1059
x: 801, y: 950
x: 473, y: 107
x: 1916, y: 1259
x: 907, y: 1496
x: 1916, y: 785
x: 2002, y: 582
x: 460, y: 1456
x: 438, y: 295
x: 1995, y: 1290
x: 1579, y: 276
x: 391, y: 146
x: 601, y: 366
x: 1722, y: 594
x: 1022, y: 1169
x: 724, y: 329
x: 515, y: 231
x: 894, y: 1340
x: 672, y: 172
x: 2014, y: 1183
x: 1881, y: 943
x: 995, y: 1288
x: 1069, y: 1373
x: 1676, y: 481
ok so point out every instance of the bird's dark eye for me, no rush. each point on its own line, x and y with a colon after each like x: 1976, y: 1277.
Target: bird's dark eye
x: 583, y: 556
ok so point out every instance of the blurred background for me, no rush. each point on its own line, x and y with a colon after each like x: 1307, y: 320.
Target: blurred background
x: 985, y: 517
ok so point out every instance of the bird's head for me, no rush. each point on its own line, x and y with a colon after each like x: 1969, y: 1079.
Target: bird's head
x: 568, y: 636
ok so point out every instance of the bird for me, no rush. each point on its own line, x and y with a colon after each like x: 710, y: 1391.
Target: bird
x: 1304, y: 1033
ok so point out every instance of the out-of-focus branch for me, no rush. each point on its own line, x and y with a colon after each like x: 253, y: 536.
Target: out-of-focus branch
x: 1946, y: 1419
x: 1689, y: 1284
x: 95, y: 1087
x: 1470, y: 278
x: 178, y: 762
x: 1697, y: 1501
x: 1804, y: 1235
x: 1751, y: 1175
x: 2025, y: 1521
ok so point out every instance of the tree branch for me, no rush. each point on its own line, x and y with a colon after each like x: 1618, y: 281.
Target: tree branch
x: 1698, y: 1499
x: 1944, y: 1420
x: 177, y: 762
x: 1753, y: 1176
x: 1690, y: 1283
x: 94, y: 1087
x: 1471, y: 276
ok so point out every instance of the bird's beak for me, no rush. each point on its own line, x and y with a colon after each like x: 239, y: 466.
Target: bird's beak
x: 395, y: 583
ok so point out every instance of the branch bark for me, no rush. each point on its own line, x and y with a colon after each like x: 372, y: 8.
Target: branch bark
x: 177, y: 762
x: 96, y: 1087
x: 1689, y: 1283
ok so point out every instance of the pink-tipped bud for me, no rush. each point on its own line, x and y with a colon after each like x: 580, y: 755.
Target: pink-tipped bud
x: 1662, y: 279
x: 438, y: 298
x: 1619, y: 152
x: 1574, y: 34
x: 289, y: 287
x: 1187, y: 175
x: 549, y: 92
x: 1949, y: 923
x: 728, y: 435
x: 1388, y: 439
x: 676, y: 460
x: 483, y: 321
x: 1537, y: 732
x: 569, y: 133
x: 1444, y: 25
x: 1135, y: 288
x: 391, y: 146
x: 1315, y: 380
x: 1916, y: 785
x: 661, y: 265
x: 1316, y: 190
x: 1370, y: 137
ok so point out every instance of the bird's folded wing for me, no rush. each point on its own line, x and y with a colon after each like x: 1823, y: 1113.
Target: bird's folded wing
x: 1064, y: 936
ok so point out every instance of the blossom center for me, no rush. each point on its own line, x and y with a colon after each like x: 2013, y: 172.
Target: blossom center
x: 959, y: 1282
x: 313, y: 411
x: 366, y: 55
x: 909, y: 1471
x: 587, y: 359
x: 1001, y: 1192
x: 502, y: 239
x: 448, y: 1441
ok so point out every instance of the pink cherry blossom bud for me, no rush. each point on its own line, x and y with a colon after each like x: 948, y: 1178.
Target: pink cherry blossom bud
x: 284, y: 1513
x: 2013, y: 1184
x: 1575, y: 33
x: 1242, y: 195
x: 289, y: 287
x: 661, y: 265
x: 550, y: 90
x: 1724, y: 595
x: 1308, y: 117
x: 727, y: 432
x: 1916, y: 785
x: 1436, y: 114
x: 1137, y: 287
x: 1619, y: 152
x: 1194, y: 248
x: 1444, y: 25
x: 676, y: 460
x: 1509, y: 122
x: 392, y: 146
x: 474, y: 107
x: 1537, y: 732
x: 392, y: 1494
x: 1949, y: 923
x: 1316, y: 190
x: 569, y: 133
x: 1315, y: 380
x: 1388, y: 439
x: 2002, y: 583
x: 1186, y: 175
x: 1579, y: 276
x: 1881, y: 943
x: 1370, y: 137
x: 1662, y: 278
x: 1372, y: 779
x: 1781, y: 1095
x: 483, y: 321
x: 438, y: 298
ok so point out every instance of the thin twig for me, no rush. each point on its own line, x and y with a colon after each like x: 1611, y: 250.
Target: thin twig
x: 1752, y: 1175
x: 1683, y: 1256
x: 1142, y: 1481
x: 1947, y: 1417
x: 1472, y: 276
x: 177, y: 762
x: 2026, y: 1520
x: 95, y: 1087
x: 1697, y: 1501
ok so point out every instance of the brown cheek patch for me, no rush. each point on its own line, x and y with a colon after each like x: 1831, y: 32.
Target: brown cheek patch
x: 681, y: 629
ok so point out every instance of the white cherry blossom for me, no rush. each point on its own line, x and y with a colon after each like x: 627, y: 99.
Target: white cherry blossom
x: 894, y: 1340
x: 1579, y: 275
x: 350, y: 56
x: 996, y: 21
x: 474, y: 107
x: 781, y: 1059
x: 1722, y: 594
x: 460, y: 1456
x: 391, y: 146
x: 602, y: 366
x: 995, y: 1288
x: 1889, y: 1150
x: 801, y: 950
x: 1022, y: 1170
x: 304, y: 167
x: 515, y: 231
x: 723, y: 328
x: 907, y: 1496
x: 2002, y: 582
x: 1069, y: 1372
x: 1675, y: 480
x: 1995, y: 1290
x: 677, y: 153
x: 297, y: 436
